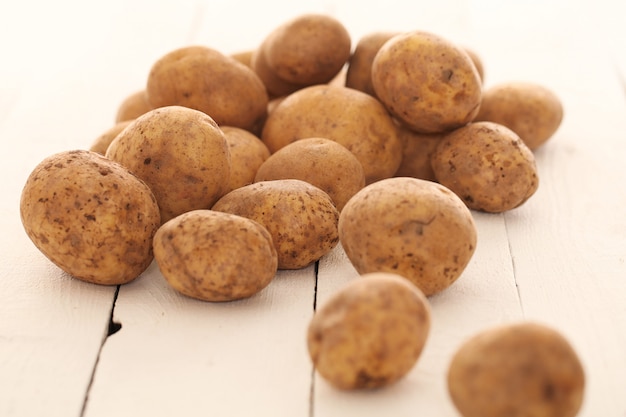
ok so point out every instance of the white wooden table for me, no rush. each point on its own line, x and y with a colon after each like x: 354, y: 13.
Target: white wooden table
x: 559, y: 259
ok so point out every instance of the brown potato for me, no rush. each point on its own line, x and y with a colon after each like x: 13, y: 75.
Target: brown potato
x: 521, y: 369
x: 478, y: 62
x: 370, y: 333
x: 133, y: 106
x: 531, y: 110
x: 430, y: 84
x: 422, y: 231
x: 102, y: 142
x: 204, y: 79
x: 90, y: 216
x: 214, y: 256
x: 301, y: 218
x: 359, y: 75
x: 247, y: 154
x: 349, y: 117
x: 245, y: 57
x: 417, y: 149
x: 309, y: 49
x: 276, y: 86
x: 318, y: 161
x: 487, y: 165
x: 180, y: 153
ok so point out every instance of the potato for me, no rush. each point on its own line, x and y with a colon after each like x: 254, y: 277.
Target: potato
x: 531, y: 110
x: 102, y: 142
x: 247, y: 154
x: 133, y: 106
x: 275, y: 86
x: 90, y: 216
x: 520, y: 369
x: 301, y: 218
x: 318, y: 161
x: 370, y: 333
x: 309, y: 49
x: 430, y: 84
x: 349, y: 117
x: 244, y: 57
x: 359, y: 75
x: 487, y: 165
x: 180, y: 153
x: 417, y: 149
x: 215, y: 256
x: 478, y: 62
x: 204, y: 79
x: 412, y: 227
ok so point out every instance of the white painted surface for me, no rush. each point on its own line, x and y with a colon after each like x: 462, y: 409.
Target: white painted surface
x: 559, y: 259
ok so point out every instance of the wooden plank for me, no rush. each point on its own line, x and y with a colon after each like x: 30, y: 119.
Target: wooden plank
x: 179, y: 356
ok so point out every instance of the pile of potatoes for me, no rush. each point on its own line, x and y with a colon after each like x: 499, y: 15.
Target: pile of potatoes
x: 226, y: 168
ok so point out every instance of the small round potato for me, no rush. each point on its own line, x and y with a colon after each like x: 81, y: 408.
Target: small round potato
x: 180, y: 153
x: 204, y: 79
x: 487, y: 165
x: 321, y: 162
x: 102, y: 142
x: 90, y: 216
x: 359, y: 75
x: 133, y: 106
x: 347, y: 116
x: 247, y: 154
x: 530, y: 110
x: 522, y: 369
x: 215, y: 256
x: 370, y: 333
x: 417, y: 149
x: 427, y: 82
x: 301, y: 218
x: 309, y: 49
x: 412, y: 227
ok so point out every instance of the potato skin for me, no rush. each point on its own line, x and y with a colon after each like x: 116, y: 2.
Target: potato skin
x: 487, y: 165
x: 214, y: 256
x: 370, y: 333
x: 417, y: 150
x: 247, y: 154
x: 359, y: 74
x: 318, y: 161
x: 301, y: 218
x: 180, y: 153
x: 412, y: 227
x: 102, y: 142
x: 531, y: 110
x: 521, y: 369
x: 90, y: 216
x: 133, y: 106
x: 204, y: 79
x: 309, y: 49
x: 349, y: 117
x: 427, y: 82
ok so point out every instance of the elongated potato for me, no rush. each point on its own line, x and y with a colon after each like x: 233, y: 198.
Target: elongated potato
x: 90, y: 216
x: 215, y: 256
x: 520, y: 369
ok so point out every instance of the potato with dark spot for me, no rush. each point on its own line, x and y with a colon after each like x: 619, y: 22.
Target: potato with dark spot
x: 531, y: 110
x: 90, y: 216
x: 487, y: 165
x: 301, y: 218
x: 204, y: 79
x: 247, y: 154
x: 520, y: 369
x: 133, y: 106
x: 215, y: 256
x: 318, y: 161
x: 347, y: 116
x: 180, y: 153
x: 412, y: 227
x: 102, y: 142
x: 427, y: 82
x: 370, y: 333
